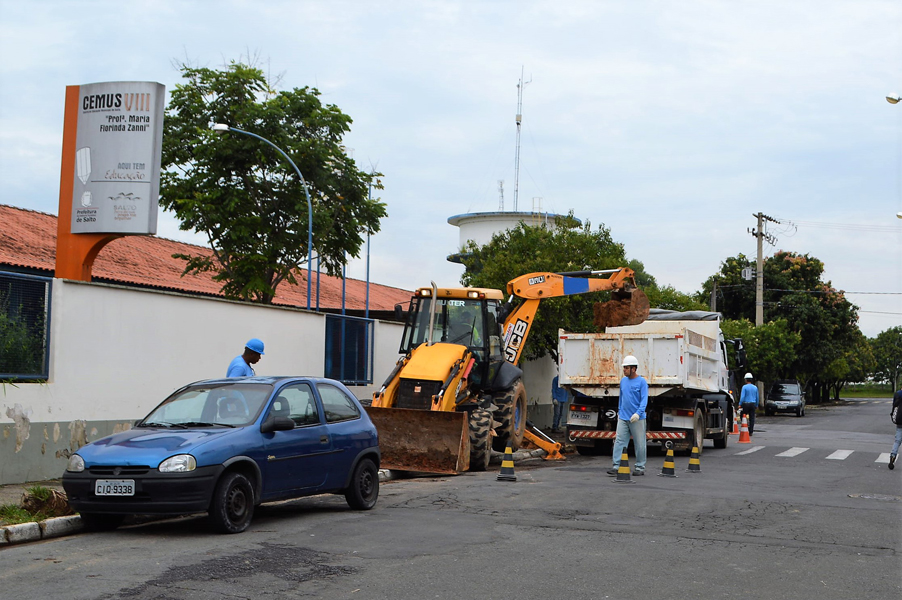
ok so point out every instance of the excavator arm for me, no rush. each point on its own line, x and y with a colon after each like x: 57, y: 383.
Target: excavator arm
x: 628, y: 305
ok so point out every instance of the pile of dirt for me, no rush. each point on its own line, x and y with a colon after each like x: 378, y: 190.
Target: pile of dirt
x: 624, y: 308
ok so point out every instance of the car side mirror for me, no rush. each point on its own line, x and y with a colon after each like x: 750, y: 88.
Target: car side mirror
x: 277, y: 424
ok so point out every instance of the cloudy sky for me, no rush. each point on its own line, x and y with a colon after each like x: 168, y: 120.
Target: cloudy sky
x: 671, y: 123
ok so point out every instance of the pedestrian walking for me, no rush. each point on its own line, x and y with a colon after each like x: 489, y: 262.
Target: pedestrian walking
x: 748, y: 402
x: 561, y: 399
x: 631, y: 416
x: 241, y: 364
x: 896, y: 415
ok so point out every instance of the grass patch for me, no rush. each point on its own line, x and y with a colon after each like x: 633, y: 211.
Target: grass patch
x: 38, y: 503
x: 13, y: 514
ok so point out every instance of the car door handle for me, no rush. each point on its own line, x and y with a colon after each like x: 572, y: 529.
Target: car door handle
x: 323, y: 439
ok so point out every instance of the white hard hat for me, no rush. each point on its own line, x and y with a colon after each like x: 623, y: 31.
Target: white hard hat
x: 630, y: 361
x: 748, y: 376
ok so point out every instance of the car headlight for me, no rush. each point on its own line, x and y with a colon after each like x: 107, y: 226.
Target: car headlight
x: 76, y: 464
x: 180, y: 463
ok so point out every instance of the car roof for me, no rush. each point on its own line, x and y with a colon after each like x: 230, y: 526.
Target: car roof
x: 263, y: 379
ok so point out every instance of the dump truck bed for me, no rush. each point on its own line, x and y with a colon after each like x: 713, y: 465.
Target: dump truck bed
x: 672, y: 354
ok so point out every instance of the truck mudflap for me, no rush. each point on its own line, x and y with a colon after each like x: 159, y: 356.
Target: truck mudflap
x: 589, y: 434
x: 422, y: 440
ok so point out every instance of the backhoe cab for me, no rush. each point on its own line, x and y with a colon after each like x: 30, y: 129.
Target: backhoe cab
x: 457, y: 392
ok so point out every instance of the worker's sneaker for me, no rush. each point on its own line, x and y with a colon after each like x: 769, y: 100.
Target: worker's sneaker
x: 892, y: 459
x: 613, y: 471
x: 637, y: 472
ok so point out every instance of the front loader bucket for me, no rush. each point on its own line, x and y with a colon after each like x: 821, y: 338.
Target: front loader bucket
x: 624, y: 308
x: 422, y: 440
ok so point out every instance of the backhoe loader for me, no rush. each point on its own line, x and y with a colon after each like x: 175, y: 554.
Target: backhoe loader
x: 457, y: 392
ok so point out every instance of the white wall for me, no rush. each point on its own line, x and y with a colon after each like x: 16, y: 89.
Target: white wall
x: 116, y: 352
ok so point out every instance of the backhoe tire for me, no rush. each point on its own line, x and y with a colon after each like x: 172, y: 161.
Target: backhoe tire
x: 480, y: 423
x: 511, y: 418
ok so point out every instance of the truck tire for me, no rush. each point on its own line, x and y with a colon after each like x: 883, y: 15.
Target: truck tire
x: 602, y: 448
x: 511, y: 418
x: 721, y: 442
x: 698, y: 432
x: 480, y: 423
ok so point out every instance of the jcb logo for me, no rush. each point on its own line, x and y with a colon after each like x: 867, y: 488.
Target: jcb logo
x: 513, y: 339
x: 536, y: 280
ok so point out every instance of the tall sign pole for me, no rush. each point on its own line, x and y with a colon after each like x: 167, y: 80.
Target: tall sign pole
x: 110, y: 169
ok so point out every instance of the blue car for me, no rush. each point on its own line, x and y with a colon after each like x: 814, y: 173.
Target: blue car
x: 223, y: 446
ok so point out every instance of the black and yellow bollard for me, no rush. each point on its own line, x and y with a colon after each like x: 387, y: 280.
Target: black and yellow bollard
x: 507, y: 466
x: 623, y: 472
x: 694, y: 465
x: 668, y: 470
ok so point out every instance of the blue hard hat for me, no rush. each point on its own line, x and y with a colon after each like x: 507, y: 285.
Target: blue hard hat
x: 255, y: 345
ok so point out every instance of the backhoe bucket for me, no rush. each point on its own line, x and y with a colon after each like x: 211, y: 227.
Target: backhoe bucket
x: 422, y: 440
x: 624, y: 308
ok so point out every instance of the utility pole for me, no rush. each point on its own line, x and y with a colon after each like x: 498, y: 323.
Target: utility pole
x: 714, y: 296
x: 761, y: 236
x: 520, y: 85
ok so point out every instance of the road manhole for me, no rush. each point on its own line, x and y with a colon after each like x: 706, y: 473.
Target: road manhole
x: 884, y: 497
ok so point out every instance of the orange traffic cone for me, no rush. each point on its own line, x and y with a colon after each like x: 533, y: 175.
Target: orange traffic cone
x: 735, y: 424
x: 744, y: 437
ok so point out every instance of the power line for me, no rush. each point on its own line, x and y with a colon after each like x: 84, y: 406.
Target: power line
x: 847, y: 226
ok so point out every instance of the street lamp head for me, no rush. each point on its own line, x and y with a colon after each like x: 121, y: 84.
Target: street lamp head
x: 899, y: 215
x: 220, y: 128
x: 893, y: 98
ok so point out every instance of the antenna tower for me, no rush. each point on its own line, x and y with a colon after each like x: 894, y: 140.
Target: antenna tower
x: 520, y: 85
x: 500, y: 195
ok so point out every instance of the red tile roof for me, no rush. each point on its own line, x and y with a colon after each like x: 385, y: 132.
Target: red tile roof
x: 28, y: 239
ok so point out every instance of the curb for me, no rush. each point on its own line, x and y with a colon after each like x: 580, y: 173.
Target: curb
x: 33, y: 532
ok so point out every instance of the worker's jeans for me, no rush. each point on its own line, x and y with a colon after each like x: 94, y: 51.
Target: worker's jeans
x: 898, y: 441
x: 749, y: 410
x: 558, y: 413
x: 625, y: 429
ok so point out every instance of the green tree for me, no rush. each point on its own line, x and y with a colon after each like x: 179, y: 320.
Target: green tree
x: 245, y: 197
x: 528, y: 249
x: 887, y: 349
x: 21, y: 344
x: 770, y: 349
x: 795, y: 292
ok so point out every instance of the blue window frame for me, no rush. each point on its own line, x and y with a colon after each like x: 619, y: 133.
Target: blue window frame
x: 349, y: 349
x: 24, y: 326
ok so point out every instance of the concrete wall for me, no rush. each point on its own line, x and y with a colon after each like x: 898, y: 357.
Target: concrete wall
x: 116, y: 352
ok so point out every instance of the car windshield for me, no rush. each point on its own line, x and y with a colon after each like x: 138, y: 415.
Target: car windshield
x: 222, y: 405
x: 785, y: 388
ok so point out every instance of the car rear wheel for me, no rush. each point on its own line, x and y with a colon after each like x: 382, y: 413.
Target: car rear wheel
x: 97, y: 522
x: 364, y: 488
x: 233, y: 504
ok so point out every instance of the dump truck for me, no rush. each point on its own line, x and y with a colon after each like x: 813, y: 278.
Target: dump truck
x: 692, y: 393
x: 457, y: 393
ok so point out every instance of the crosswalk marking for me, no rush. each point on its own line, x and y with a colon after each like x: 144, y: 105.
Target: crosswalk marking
x: 756, y: 448
x: 793, y: 452
x: 883, y: 458
x: 840, y: 455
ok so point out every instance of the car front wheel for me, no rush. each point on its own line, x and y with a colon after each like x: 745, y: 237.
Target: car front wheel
x: 233, y: 504
x: 364, y: 488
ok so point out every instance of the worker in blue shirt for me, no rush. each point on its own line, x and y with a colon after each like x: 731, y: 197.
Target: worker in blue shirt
x: 561, y: 399
x: 241, y: 364
x: 748, y: 402
x: 631, y: 416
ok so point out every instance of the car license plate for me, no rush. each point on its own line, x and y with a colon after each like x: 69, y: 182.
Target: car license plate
x: 114, y: 487
x: 583, y: 418
x: 782, y: 405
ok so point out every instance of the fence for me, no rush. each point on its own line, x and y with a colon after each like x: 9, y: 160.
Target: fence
x: 24, y: 327
x: 349, y: 349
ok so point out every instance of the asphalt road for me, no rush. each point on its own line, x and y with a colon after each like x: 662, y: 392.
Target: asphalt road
x: 761, y: 520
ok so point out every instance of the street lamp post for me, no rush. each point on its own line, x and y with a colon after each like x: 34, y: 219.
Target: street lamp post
x: 894, y: 99
x: 220, y: 128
